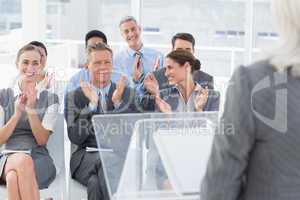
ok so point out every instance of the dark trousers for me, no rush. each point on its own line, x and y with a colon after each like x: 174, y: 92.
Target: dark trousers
x: 90, y: 173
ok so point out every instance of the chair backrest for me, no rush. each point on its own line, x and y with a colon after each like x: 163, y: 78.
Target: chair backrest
x: 56, y: 144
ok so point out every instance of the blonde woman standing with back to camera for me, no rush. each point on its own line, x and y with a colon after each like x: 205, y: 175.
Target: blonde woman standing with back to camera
x: 260, y: 159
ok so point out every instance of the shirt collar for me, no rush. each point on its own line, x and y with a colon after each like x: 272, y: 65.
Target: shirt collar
x: 196, y: 89
x: 132, y: 52
x: 104, y: 91
x: 18, y: 92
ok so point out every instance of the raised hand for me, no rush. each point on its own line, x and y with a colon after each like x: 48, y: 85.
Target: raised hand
x: 31, y: 96
x: 201, y: 99
x: 151, y: 84
x: 118, y: 93
x: 89, y: 92
x: 162, y: 105
x: 137, y: 68
x: 48, y: 80
x: 20, y: 105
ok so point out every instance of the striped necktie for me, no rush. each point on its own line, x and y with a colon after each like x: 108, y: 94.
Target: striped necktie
x: 138, y: 55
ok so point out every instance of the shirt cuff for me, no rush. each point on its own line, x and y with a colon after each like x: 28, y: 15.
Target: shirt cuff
x: 92, y: 107
x: 117, y: 105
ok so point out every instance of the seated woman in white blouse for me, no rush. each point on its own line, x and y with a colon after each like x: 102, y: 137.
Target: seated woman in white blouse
x: 27, y: 118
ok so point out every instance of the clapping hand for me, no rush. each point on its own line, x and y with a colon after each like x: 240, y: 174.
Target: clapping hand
x: 151, y: 84
x: 89, y: 92
x: 48, y: 80
x: 20, y: 104
x: 201, y: 99
x: 31, y: 97
x: 120, y: 87
x: 162, y: 105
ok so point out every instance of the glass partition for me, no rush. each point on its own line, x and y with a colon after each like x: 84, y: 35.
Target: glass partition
x: 147, y: 155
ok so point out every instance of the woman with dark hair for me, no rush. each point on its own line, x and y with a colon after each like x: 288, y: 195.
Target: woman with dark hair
x: 186, y: 95
x: 27, y: 118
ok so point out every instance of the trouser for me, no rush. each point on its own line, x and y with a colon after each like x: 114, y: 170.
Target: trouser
x: 90, y: 173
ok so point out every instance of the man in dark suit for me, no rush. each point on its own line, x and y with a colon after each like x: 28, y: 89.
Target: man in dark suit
x: 99, y: 96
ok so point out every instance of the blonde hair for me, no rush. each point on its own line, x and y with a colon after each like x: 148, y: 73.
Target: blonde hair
x: 287, y: 13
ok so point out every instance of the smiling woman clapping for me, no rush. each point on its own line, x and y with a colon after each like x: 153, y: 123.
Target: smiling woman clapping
x: 27, y: 119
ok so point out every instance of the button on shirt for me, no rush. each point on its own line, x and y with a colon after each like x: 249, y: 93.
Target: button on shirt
x: 124, y: 61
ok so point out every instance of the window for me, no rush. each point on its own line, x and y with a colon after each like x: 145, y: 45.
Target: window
x: 218, y: 27
x: 92, y: 14
x: 263, y: 38
x: 10, y: 15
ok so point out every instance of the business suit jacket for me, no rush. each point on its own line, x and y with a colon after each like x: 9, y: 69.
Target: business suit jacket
x: 258, y: 155
x: 199, y: 76
x: 79, y: 119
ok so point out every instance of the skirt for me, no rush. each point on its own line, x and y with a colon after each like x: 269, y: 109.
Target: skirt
x: 44, y: 166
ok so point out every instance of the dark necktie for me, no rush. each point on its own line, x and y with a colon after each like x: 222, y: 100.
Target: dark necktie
x: 102, y: 107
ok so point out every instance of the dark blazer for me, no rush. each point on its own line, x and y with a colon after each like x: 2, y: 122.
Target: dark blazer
x: 79, y: 119
x: 256, y: 156
x: 199, y: 76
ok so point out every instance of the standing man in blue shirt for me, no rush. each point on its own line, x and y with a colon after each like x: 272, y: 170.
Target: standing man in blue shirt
x: 136, y: 60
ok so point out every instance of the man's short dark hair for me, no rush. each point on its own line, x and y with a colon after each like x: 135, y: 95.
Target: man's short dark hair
x: 95, y: 33
x: 39, y: 44
x: 183, y: 36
